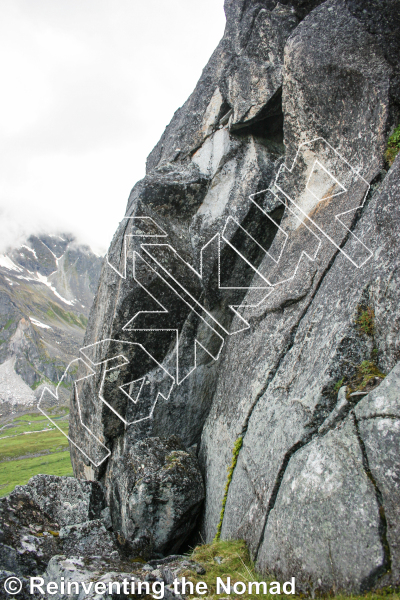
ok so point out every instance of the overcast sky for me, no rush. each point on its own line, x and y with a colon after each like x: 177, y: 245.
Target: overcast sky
x: 88, y: 87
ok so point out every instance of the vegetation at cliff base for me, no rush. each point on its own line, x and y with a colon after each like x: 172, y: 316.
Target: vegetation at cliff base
x: 226, y: 558
x: 393, y: 146
x: 231, y: 558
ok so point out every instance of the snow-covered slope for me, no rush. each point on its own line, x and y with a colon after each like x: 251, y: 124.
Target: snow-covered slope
x: 47, y: 286
x: 13, y: 388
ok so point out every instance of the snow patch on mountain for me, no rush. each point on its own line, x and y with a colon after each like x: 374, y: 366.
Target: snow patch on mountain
x: 43, y: 279
x: 39, y: 323
x: 30, y: 250
x: 7, y: 263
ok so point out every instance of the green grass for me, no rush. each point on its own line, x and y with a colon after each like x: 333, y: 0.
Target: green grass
x: 33, y: 443
x: 83, y: 320
x: 8, y: 324
x: 35, y: 385
x: 68, y: 317
x: 57, y: 412
x: 31, y: 423
x: 20, y: 429
x: 18, y: 472
x: 30, y: 417
x: 233, y: 560
x: 338, y: 385
x: 49, y: 382
x: 393, y: 146
x: 25, y: 437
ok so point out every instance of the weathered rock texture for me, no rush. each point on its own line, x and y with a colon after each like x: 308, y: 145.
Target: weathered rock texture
x: 164, y: 488
x: 259, y: 341
x: 58, y: 528
x: 39, y: 520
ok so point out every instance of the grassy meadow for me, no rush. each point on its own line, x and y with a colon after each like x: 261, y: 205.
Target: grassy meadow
x: 30, y: 444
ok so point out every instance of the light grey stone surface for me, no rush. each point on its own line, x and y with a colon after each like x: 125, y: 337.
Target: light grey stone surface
x: 325, y: 524
x: 26, y: 541
x: 76, y: 569
x: 326, y: 345
x: 378, y: 418
x: 384, y: 401
x: 87, y: 539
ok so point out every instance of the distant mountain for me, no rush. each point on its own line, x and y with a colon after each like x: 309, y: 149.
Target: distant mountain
x: 47, y: 287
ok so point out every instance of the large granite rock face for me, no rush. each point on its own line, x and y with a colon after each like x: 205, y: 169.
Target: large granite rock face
x: 337, y: 507
x: 296, y: 412
x: 230, y: 303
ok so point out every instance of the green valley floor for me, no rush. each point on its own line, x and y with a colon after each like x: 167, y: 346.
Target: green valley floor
x: 30, y: 444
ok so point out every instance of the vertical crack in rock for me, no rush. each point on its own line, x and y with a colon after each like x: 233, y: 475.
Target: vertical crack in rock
x: 254, y: 17
x: 271, y: 376
x: 277, y: 485
x: 386, y: 565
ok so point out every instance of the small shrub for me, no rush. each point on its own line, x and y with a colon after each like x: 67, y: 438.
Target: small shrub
x: 368, y: 370
x: 393, y: 146
x: 172, y: 460
x: 366, y: 320
x: 338, y: 385
x: 367, y: 376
